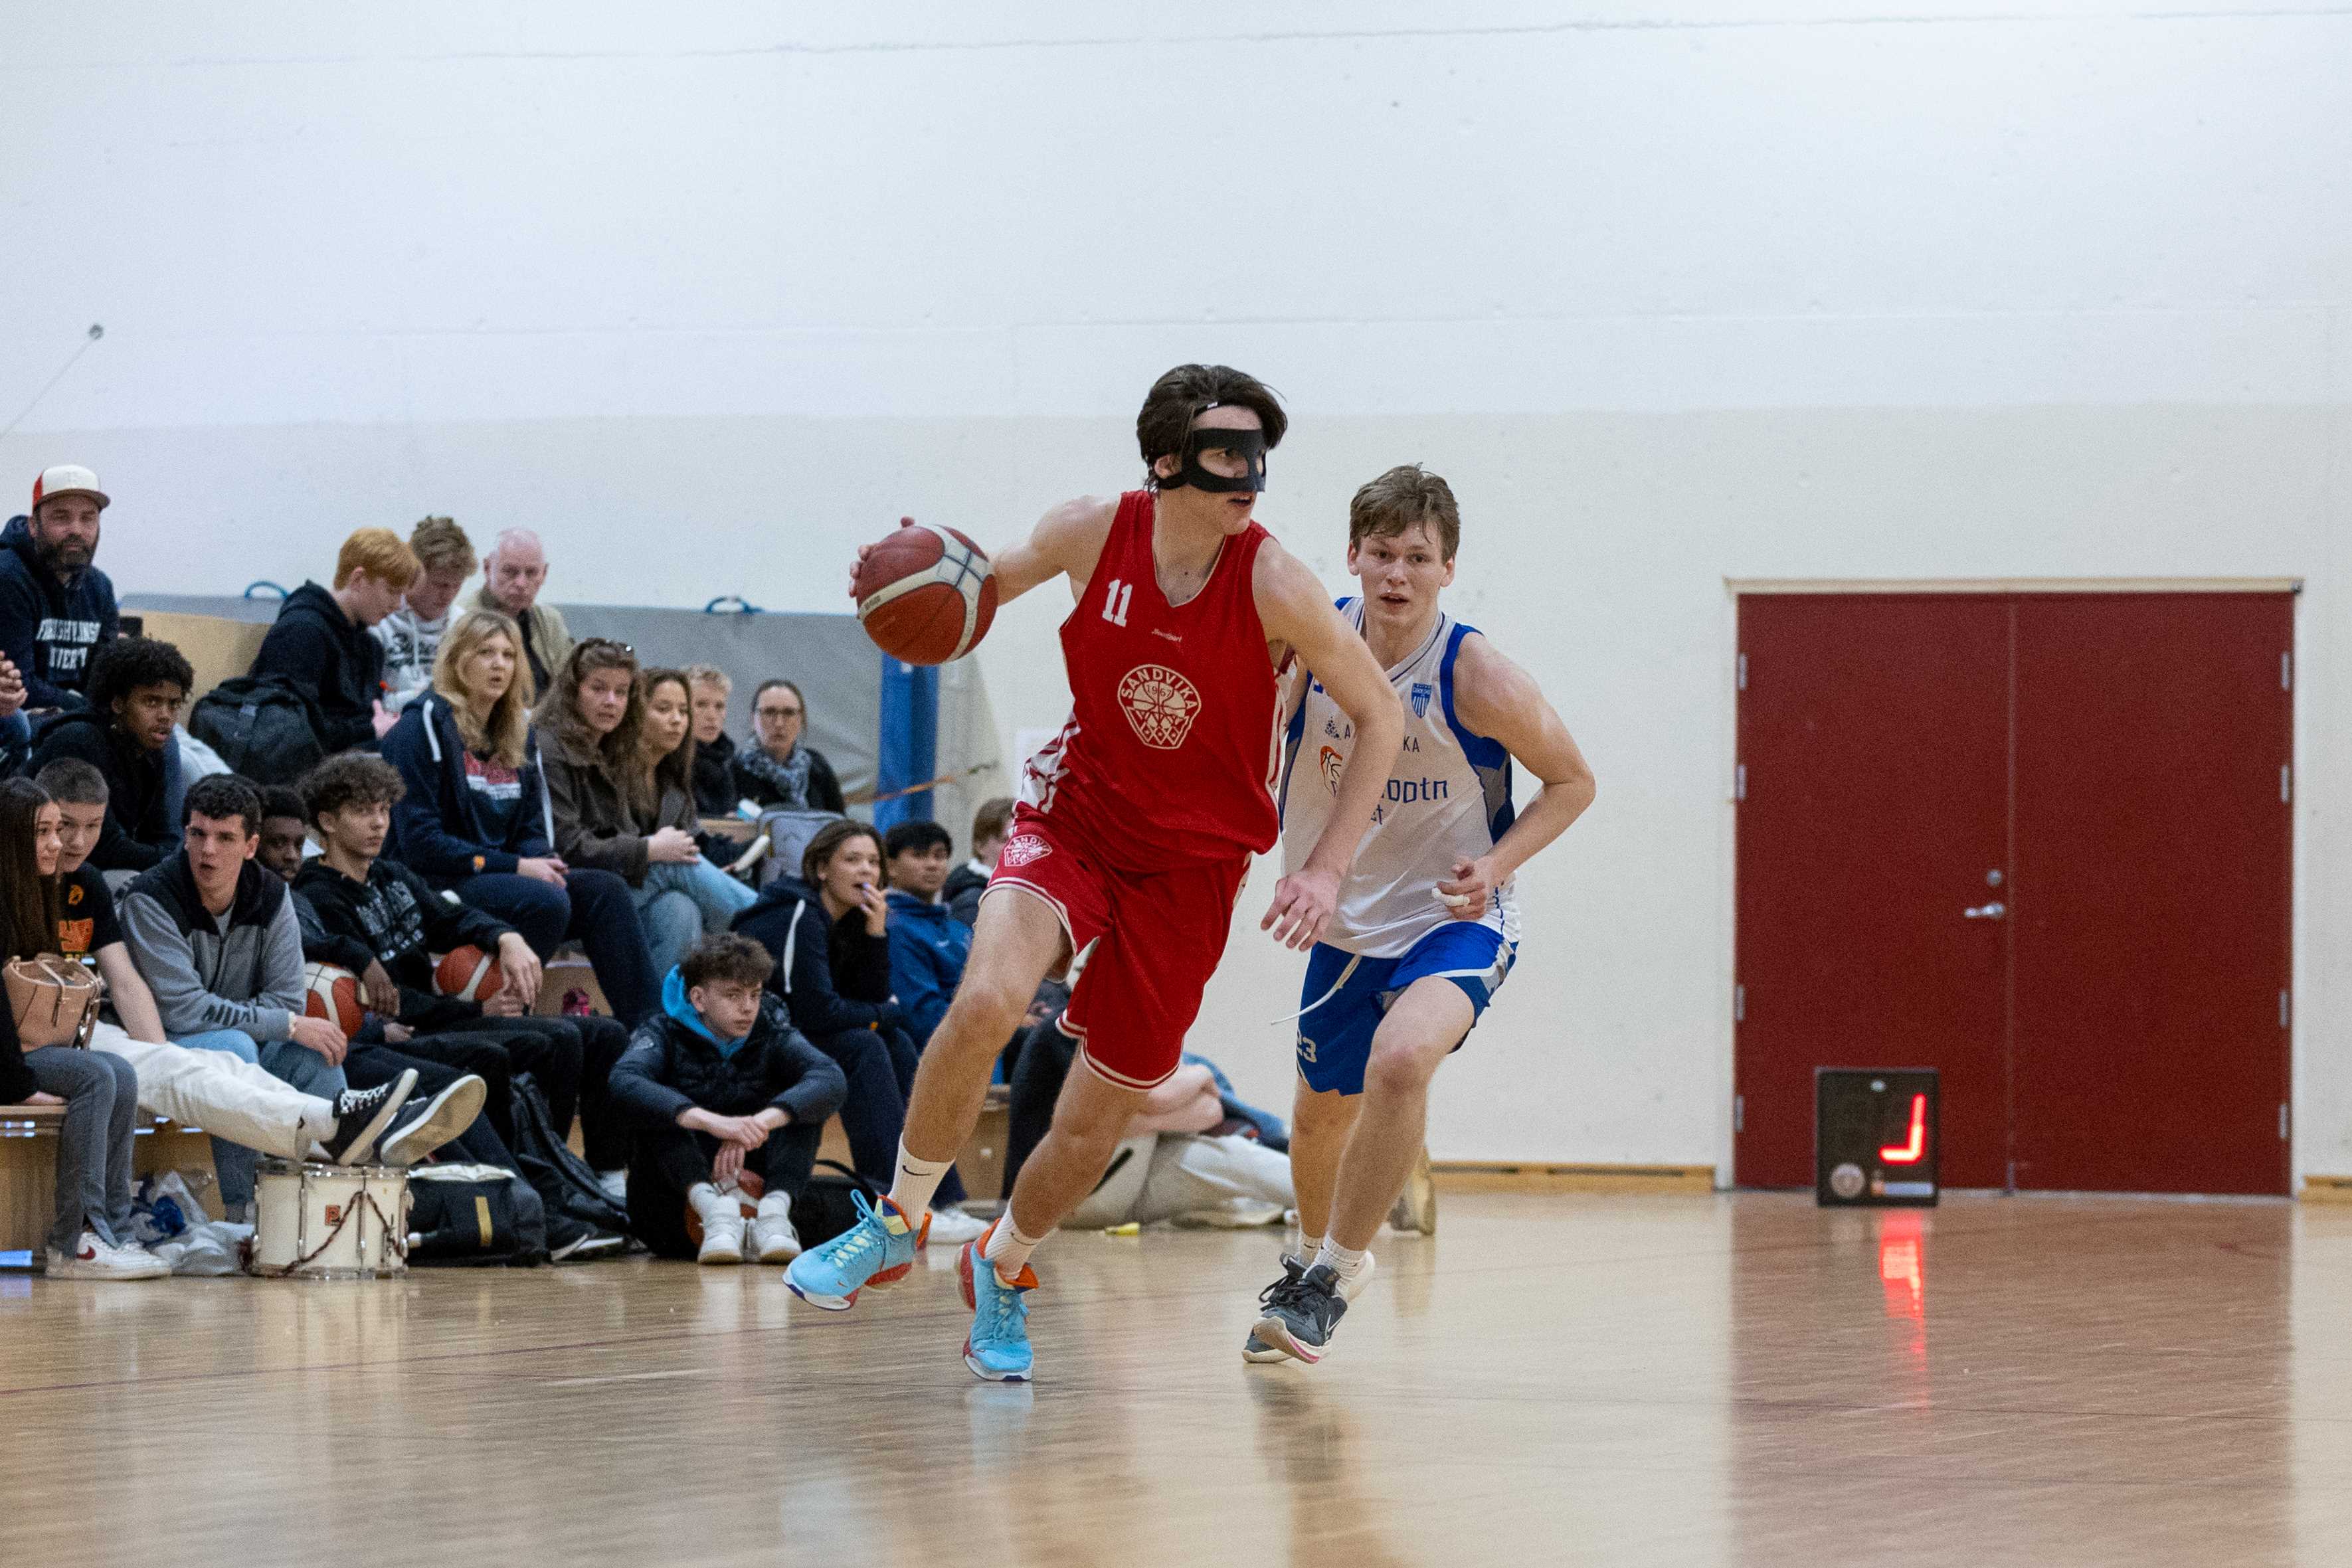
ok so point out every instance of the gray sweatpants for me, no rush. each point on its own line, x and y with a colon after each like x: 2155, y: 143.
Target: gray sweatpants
x: 101, y: 1096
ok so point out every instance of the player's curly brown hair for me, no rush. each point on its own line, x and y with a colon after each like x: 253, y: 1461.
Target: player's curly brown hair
x: 1186, y: 393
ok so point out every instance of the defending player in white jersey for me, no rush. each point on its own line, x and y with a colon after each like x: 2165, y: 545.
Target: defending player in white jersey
x: 1427, y: 923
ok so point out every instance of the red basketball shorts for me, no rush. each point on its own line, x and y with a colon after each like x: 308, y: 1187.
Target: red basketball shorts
x: 1158, y: 936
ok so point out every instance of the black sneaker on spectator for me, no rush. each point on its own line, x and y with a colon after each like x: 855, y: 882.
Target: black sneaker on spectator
x: 362, y: 1115
x: 424, y: 1125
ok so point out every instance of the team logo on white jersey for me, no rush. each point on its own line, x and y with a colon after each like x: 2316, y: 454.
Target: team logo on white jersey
x: 1331, y: 761
x: 1022, y: 848
x: 1160, y: 703
x: 1422, y: 692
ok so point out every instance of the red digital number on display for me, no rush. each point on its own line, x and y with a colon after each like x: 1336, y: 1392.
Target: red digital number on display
x: 1908, y: 1154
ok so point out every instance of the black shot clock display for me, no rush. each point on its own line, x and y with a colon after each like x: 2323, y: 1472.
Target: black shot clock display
x: 1874, y: 1143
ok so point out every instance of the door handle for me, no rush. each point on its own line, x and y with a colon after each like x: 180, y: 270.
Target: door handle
x: 1985, y: 912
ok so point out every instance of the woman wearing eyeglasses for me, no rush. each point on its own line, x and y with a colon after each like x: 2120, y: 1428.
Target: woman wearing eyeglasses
x: 778, y: 771
x: 615, y: 811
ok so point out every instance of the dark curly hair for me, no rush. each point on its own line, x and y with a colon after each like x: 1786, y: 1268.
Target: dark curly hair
x: 1181, y: 396
x: 283, y: 800
x: 221, y: 796
x: 125, y: 665
x: 350, y: 779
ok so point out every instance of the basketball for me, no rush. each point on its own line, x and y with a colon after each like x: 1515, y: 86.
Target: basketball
x: 926, y: 594
x: 332, y: 992
x: 468, y: 972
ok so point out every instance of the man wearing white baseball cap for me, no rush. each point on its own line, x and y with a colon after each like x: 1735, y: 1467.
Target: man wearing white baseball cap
x: 56, y: 608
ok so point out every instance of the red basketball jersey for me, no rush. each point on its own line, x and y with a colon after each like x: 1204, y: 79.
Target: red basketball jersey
x: 1173, y: 746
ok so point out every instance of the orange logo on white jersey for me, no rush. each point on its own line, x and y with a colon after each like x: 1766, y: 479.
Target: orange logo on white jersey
x: 1331, y: 761
x: 1160, y: 703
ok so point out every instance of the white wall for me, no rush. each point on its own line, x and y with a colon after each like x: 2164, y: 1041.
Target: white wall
x: 1672, y: 293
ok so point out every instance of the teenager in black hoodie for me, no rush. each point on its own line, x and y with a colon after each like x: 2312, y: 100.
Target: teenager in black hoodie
x: 56, y: 609
x: 322, y: 645
x: 828, y: 929
x: 715, y: 794
x: 136, y: 687
x: 383, y: 922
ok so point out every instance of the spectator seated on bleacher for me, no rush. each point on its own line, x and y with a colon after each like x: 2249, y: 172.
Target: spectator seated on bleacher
x: 719, y: 1085
x: 778, y: 771
x: 715, y: 794
x: 616, y: 809
x: 411, y: 634
x: 323, y: 644
x: 219, y: 1092
x: 137, y: 686
x: 829, y: 927
x: 512, y: 575
x: 285, y: 830
x: 990, y: 826
x: 89, y: 1237
x: 217, y: 939
x: 15, y: 729
x: 57, y: 609
x: 473, y: 817
x: 929, y: 947
x: 385, y: 923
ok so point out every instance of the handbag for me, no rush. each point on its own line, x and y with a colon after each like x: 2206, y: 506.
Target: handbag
x: 53, y: 999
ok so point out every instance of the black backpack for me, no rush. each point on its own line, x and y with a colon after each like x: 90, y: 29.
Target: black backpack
x: 561, y: 1178
x: 463, y: 1220
x: 261, y: 727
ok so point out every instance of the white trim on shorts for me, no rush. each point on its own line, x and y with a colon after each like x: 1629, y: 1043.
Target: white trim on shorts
x: 1023, y: 885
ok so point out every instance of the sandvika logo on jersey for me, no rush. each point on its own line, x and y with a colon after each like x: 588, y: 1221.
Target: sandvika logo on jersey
x: 1021, y: 850
x: 1160, y: 703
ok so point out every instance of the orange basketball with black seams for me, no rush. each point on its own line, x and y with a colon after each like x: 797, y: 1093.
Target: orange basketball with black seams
x: 332, y: 992
x: 468, y: 972
x: 926, y: 594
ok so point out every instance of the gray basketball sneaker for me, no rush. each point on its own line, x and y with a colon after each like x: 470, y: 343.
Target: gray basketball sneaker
x: 1299, y: 1314
x: 1255, y: 1348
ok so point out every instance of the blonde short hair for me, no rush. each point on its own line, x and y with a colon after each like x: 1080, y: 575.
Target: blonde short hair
x: 379, y: 552
x: 440, y: 545
x: 707, y: 676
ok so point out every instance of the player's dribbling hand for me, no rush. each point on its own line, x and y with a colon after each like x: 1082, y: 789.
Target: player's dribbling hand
x: 864, y: 551
x: 1302, y: 906
x: 1471, y: 891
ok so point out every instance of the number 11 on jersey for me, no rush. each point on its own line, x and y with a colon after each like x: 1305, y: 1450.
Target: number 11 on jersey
x: 1117, y: 597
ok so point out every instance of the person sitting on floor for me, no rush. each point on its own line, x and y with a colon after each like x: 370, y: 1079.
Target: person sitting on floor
x: 830, y: 928
x: 618, y: 810
x: 217, y: 939
x: 715, y: 794
x: 323, y: 645
x: 474, y: 818
x: 383, y: 922
x: 990, y: 826
x: 90, y: 1236
x: 221, y: 1093
x: 721, y: 1087
x: 136, y: 687
x: 778, y: 771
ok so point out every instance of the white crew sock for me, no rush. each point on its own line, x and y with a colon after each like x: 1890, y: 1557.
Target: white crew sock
x: 916, y: 1180
x: 1008, y: 1251
x: 1309, y: 1247
x: 775, y: 1204
x: 1346, y: 1262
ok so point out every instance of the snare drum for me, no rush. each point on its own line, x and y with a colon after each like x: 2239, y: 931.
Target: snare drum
x: 330, y: 1222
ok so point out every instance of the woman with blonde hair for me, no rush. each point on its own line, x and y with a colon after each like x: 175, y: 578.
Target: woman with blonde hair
x: 475, y: 818
x: 619, y: 760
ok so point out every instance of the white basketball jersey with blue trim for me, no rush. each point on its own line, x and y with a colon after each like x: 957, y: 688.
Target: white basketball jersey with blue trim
x: 1448, y: 798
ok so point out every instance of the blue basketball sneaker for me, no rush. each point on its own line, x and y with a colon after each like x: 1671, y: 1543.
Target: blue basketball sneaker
x: 997, y: 1348
x: 876, y: 1252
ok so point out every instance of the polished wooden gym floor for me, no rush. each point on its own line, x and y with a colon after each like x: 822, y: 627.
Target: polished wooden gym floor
x: 1557, y: 1379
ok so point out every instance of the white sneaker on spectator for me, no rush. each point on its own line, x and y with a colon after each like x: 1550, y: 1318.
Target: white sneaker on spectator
x: 952, y: 1226
x: 94, y: 1260
x: 721, y: 1214
x: 774, y: 1240
x: 616, y: 1185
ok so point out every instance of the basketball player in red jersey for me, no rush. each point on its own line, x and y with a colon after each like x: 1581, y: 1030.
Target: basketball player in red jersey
x: 1133, y: 829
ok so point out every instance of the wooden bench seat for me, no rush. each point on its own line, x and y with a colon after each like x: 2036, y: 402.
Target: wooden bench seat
x: 28, y: 1166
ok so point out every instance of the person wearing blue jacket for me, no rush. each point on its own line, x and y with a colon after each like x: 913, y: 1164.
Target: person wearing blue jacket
x: 929, y: 947
x: 475, y: 818
x: 828, y: 929
x: 57, y: 609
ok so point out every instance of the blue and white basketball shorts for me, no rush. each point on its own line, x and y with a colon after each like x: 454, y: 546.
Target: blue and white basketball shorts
x: 1347, y: 995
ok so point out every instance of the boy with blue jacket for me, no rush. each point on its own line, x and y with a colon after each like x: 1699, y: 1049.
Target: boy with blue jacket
x: 929, y: 947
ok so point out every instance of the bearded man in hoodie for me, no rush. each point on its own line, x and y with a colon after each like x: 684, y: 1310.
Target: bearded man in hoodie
x: 321, y: 644
x: 56, y: 610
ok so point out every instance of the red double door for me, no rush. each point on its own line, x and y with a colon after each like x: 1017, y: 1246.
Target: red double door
x: 2040, y: 842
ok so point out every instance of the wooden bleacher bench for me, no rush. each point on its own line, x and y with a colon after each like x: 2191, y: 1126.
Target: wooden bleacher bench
x: 28, y: 1166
